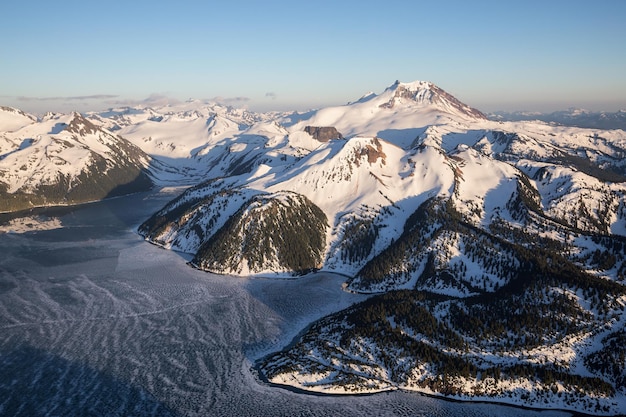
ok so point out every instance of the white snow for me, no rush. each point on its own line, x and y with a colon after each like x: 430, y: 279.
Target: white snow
x: 30, y: 224
x: 13, y: 119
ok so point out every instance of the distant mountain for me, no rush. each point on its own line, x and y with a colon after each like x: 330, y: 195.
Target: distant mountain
x: 63, y: 160
x: 195, y: 140
x: 571, y: 117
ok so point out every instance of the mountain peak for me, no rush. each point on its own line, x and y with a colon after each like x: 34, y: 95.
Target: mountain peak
x: 80, y: 125
x: 417, y: 91
x: 413, y: 85
x: 425, y: 93
x: 13, y: 119
x: 11, y: 110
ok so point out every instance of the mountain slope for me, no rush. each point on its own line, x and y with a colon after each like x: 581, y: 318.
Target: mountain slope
x: 67, y: 160
x: 12, y: 119
x: 280, y: 232
x: 368, y: 186
x: 496, y: 315
x: 351, y: 181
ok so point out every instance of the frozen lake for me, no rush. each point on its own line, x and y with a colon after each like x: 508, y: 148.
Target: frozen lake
x: 95, y: 321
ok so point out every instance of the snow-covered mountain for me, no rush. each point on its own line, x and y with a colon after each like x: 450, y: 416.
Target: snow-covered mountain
x: 12, y: 119
x: 394, y: 151
x: 399, y: 114
x: 499, y: 247
x: 497, y: 250
x: 64, y: 159
x: 196, y: 140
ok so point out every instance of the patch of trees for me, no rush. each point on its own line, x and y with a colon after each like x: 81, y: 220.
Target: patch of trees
x: 183, y: 208
x: 359, y: 237
x: 419, y: 230
x: 265, y: 233
x: 410, y: 311
x: 588, y: 167
x: 610, y: 360
x: 101, y: 180
x: 612, y: 253
x: 396, y: 332
x: 520, y: 321
x: 526, y: 198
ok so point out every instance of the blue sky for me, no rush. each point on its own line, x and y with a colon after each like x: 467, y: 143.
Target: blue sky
x: 278, y: 55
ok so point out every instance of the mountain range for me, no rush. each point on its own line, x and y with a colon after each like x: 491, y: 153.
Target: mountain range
x: 571, y: 117
x: 495, y: 251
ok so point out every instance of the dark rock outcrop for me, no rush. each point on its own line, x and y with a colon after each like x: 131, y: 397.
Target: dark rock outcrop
x: 323, y: 133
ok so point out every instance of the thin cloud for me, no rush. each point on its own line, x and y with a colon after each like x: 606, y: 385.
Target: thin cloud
x: 230, y: 100
x: 157, y: 100
x: 68, y: 98
x: 154, y: 99
x: 271, y: 95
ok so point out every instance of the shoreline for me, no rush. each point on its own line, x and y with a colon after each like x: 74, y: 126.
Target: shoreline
x: 262, y: 379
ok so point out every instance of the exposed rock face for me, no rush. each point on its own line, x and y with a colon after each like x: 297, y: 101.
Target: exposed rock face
x: 372, y: 153
x: 323, y: 133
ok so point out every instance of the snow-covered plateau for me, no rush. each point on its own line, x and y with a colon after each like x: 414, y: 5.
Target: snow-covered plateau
x: 480, y: 260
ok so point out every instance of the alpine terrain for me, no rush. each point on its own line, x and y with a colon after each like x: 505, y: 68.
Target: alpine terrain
x: 494, y: 251
x: 64, y: 160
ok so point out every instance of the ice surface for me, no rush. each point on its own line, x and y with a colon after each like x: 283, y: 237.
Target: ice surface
x: 29, y: 224
x: 93, y: 320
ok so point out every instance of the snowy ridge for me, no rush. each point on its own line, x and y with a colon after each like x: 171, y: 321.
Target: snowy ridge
x: 12, y: 119
x: 199, y: 213
x: 65, y: 159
